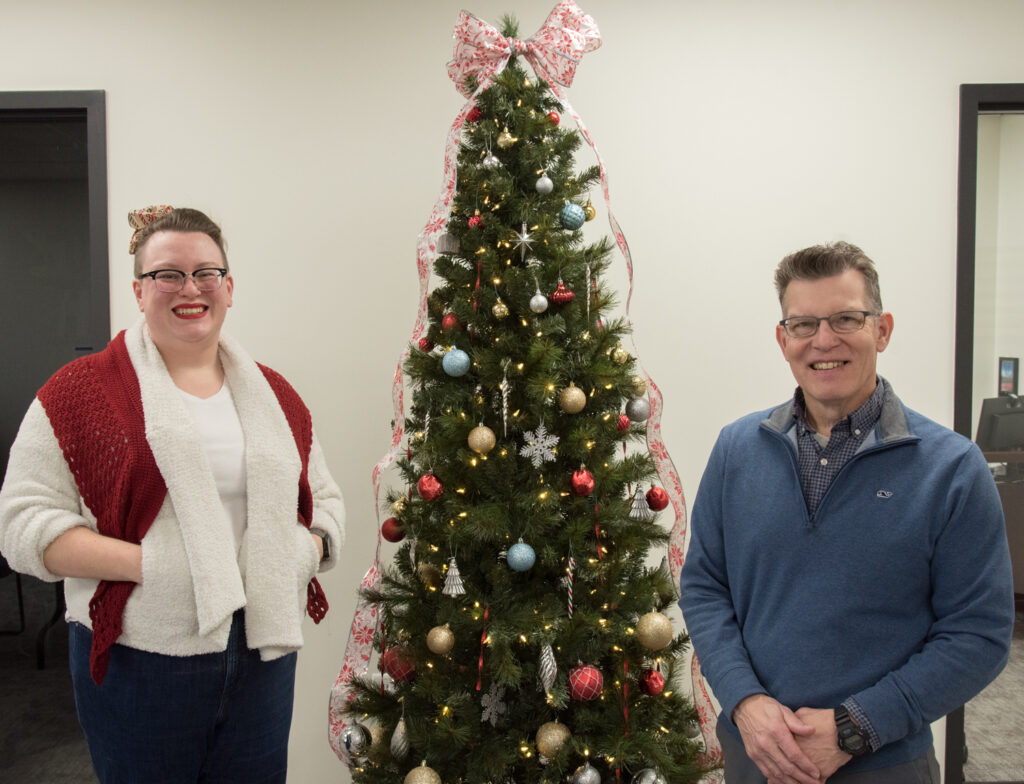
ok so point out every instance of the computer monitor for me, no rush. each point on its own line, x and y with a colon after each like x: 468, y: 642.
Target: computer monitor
x: 1001, y: 424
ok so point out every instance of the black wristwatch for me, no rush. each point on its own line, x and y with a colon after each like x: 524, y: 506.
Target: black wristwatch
x: 326, y: 542
x: 852, y: 739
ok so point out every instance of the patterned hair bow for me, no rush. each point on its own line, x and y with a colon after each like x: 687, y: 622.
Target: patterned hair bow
x: 140, y: 219
x: 553, y: 52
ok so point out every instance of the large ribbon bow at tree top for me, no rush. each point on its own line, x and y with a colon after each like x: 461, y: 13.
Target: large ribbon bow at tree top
x: 553, y: 52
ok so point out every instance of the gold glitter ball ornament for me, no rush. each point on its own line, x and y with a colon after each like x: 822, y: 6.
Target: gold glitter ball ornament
x: 398, y: 506
x: 422, y: 775
x: 481, y: 439
x: 500, y: 310
x: 551, y: 737
x: 429, y: 575
x: 620, y: 356
x: 377, y: 736
x: 589, y: 211
x: 572, y: 399
x: 506, y: 139
x: 440, y: 640
x: 639, y: 386
x: 654, y: 631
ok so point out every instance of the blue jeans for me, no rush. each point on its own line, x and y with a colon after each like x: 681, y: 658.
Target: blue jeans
x: 212, y: 718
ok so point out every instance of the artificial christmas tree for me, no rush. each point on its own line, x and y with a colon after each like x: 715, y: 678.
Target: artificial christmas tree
x: 519, y: 626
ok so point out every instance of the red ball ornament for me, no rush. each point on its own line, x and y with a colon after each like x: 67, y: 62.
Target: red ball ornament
x: 657, y: 499
x: 561, y: 295
x: 623, y: 423
x: 396, y: 663
x: 474, y: 114
x: 450, y: 322
x: 582, y: 482
x: 429, y: 487
x: 425, y: 345
x: 652, y: 682
x: 555, y: 119
x: 585, y: 682
x: 475, y: 221
x: 392, y: 530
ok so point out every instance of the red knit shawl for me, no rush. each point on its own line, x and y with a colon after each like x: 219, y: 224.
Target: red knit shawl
x: 95, y: 408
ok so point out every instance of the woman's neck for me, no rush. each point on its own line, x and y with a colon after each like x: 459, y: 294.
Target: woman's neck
x: 197, y: 371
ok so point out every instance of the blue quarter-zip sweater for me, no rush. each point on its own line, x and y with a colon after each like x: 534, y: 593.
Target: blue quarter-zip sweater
x: 897, y: 593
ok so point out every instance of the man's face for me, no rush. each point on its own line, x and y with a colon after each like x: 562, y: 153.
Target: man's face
x: 836, y: 371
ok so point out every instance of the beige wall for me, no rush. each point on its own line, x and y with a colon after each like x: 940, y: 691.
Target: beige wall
x: 734, y: 132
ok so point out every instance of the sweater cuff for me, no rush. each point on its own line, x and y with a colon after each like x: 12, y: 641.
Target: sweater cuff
x: 862, y: 721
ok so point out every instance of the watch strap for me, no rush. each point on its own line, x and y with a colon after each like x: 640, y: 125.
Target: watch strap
x: 326, y: 542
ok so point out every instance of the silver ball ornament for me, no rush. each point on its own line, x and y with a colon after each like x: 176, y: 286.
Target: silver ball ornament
x: 649, y: 776
x: 538, y: 303
x: 491, y: 161
x: 586, y: 774
x: 544, y: 185
x: 638, y: 409
x: 356, y: 739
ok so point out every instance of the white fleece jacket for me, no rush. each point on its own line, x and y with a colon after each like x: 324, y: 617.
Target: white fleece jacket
x: 192, y: 581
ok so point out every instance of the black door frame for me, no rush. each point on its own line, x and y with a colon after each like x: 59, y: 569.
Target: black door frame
x: 93, y: 105
x: 975, y: 99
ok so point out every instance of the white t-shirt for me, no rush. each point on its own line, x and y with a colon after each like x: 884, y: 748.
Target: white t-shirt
x: 220, y: 429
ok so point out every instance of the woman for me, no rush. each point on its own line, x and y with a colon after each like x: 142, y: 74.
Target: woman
x: 177, y: 487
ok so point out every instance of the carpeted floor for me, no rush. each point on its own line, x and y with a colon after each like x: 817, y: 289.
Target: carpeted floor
x: 41, y: 742
x: 40, y: 739
x: 994, y: 723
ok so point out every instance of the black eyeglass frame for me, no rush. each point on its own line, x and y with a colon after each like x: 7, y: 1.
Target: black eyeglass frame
x: 817, y: 322
x: 222, y: 273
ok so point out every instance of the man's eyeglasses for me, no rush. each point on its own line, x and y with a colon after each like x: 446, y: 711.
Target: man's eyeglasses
x: 171, y: 280
x: 843, y: 322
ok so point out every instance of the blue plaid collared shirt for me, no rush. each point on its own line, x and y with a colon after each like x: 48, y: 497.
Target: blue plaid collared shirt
x: 820, y: 464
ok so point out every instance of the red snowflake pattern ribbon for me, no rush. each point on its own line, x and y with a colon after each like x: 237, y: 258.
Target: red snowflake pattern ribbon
x: 482, y: 51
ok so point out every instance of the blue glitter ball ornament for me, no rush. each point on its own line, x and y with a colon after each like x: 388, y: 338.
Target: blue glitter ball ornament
x: 573, y: 216
x: 521, y: 556
x: 456, y: 362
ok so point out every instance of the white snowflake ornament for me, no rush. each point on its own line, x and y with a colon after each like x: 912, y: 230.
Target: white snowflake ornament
x: 540, y: 446
x: 493, y: 704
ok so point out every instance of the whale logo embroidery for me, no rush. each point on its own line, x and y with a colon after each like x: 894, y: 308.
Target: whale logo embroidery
x: 884, y: 494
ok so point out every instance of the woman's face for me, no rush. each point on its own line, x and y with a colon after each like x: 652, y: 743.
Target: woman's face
x: 189, y: 318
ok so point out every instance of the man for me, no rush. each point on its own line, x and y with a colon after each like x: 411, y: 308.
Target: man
x: 848, y: 581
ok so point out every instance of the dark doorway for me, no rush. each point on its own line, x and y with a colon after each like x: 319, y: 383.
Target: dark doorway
x: 53, y: 241
x: 53, y: 269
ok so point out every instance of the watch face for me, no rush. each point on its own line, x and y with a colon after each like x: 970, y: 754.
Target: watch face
x: 852, y: 742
